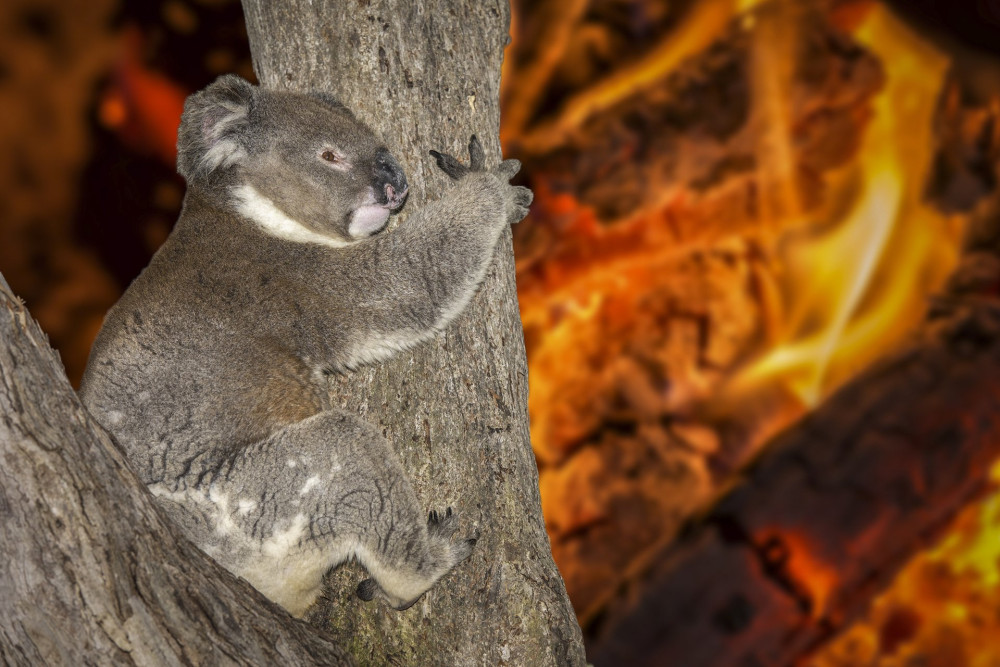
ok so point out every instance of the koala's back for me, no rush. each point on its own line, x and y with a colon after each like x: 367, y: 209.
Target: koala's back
x: 173, y: 370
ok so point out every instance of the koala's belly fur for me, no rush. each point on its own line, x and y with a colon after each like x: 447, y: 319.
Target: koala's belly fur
x: 211, y: 370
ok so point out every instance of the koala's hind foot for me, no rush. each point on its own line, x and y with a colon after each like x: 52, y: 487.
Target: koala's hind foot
x: 312, y: 495
x: 447, y: 554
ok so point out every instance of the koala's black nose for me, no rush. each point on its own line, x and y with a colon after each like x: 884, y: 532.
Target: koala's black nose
x: 388, y: 171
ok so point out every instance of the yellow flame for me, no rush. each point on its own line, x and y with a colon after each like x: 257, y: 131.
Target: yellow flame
x: 974, y: 547
x: 846, y: 257
x: 952, y: 591
x: 856, y: 288
x: 704, y: 23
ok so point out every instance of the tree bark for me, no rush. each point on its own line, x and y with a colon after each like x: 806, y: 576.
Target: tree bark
x: 94, y: 573
x: 425, y: 75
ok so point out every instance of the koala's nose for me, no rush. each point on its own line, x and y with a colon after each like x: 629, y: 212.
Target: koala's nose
x: 388, y: 171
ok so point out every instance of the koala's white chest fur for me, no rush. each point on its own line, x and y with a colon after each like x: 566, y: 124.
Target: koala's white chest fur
x: 277, y: 223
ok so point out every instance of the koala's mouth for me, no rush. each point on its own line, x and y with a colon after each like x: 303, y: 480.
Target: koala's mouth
x: 372, y: 216
x: 394, y: 200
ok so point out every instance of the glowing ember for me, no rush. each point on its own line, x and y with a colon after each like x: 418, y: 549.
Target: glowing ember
x: 942, y: 608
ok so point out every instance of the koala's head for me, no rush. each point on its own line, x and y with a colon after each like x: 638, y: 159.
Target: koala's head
x: 305, y: 154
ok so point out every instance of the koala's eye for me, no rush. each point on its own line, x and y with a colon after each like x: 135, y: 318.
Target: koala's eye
x: 330, y: 156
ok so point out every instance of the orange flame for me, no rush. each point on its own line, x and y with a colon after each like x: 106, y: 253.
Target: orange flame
x: 857, y: 286
x: 807, y: 570
x: 705, y: 22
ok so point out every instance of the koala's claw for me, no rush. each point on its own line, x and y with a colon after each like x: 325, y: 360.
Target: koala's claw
x: 449, y: 165
x: 443, y: 525
x: 455, y: 169
x: 433, y: 517
x: 477, y: 158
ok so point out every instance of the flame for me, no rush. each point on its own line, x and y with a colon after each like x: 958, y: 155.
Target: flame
x: 706, y: 20
x: 799, y: 564
x: 949, y: 596
x: 941, y: 608
x: 855, y: 288
x: 848, y: 280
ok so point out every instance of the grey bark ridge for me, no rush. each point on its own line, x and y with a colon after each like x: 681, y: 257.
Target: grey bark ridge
x: 426, y: 75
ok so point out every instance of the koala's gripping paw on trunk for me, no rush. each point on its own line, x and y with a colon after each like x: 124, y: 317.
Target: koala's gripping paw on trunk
x: 443, y: 526
x: 517, y: 198
x: 445, y: 554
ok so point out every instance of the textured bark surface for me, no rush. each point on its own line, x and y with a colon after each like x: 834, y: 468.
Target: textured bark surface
x: 837, y: 504
x: 425, y: 75
x: 93, y: 572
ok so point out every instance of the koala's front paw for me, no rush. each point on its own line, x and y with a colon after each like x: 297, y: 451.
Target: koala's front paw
x: 517, y: 198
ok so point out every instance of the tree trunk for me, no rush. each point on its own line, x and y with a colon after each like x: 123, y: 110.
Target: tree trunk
x: 93, y: 572
x: 426, y: 75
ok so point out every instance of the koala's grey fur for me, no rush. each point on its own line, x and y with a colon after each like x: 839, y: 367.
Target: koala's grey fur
x: 209, y: 371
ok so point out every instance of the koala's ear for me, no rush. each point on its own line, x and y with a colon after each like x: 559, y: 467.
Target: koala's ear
x: 329, y: 100
x: 214, y: 127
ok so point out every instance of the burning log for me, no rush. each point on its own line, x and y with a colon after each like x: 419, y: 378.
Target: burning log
x: 833, y: 507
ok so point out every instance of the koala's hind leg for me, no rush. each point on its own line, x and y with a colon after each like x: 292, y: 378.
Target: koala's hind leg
x: 316, y: 494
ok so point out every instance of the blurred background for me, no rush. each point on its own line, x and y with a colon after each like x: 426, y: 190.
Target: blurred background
x: 739, y: 204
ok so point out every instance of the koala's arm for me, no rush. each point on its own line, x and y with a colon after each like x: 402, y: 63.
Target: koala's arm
x: 426, y: 271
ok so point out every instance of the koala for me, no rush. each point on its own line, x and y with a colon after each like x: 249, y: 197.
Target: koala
x: 210, y: 371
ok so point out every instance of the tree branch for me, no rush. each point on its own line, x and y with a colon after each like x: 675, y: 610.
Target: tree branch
x: 427, y: 76
x: 95, y: 573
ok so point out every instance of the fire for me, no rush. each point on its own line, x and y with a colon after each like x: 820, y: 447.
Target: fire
x: 707, y: 19
x: 610, y: 307
x: 942, y: 607
x: 854, y: 293
x: 857, y: 285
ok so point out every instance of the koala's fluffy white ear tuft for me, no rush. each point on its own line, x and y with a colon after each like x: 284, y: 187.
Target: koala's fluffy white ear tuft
x: 213, y: 127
